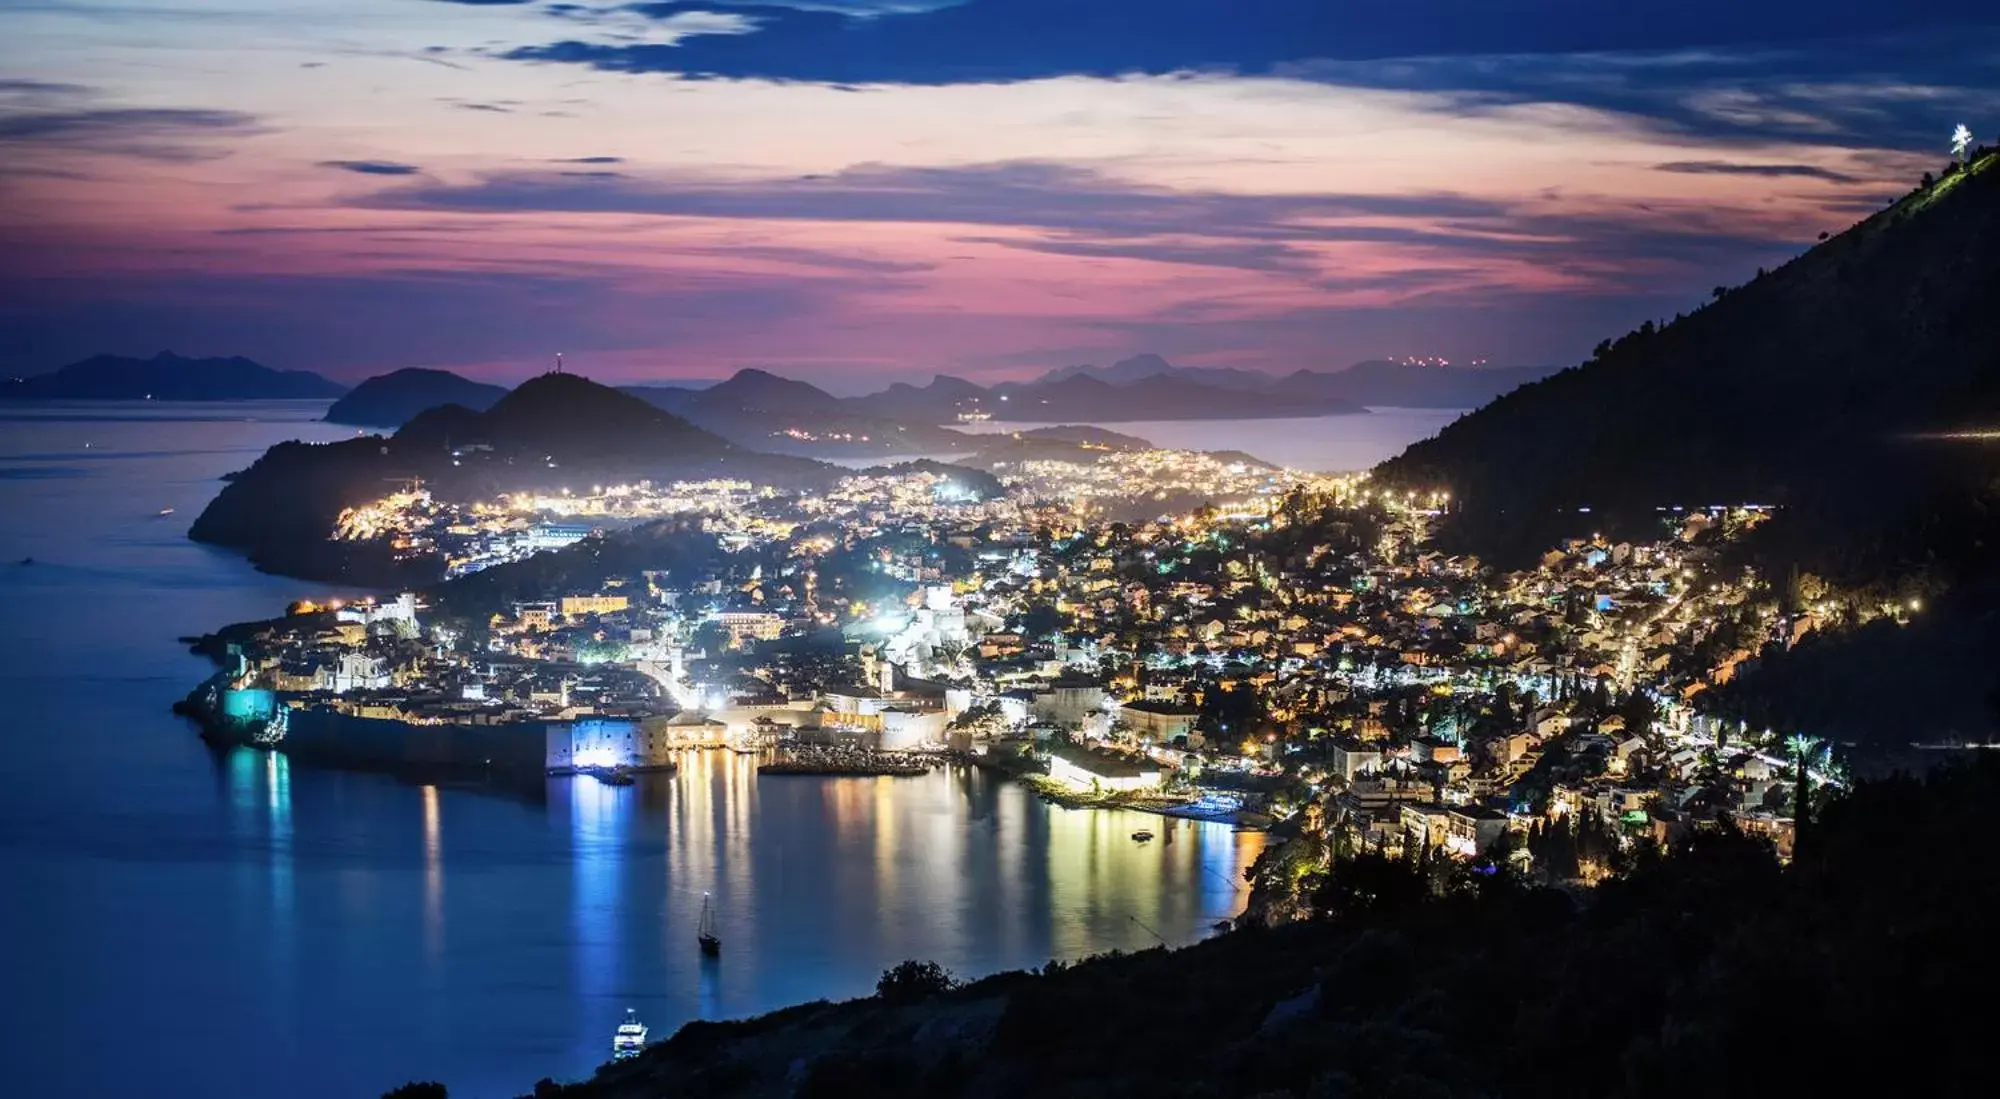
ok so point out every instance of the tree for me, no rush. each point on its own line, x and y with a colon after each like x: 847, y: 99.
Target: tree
x: 914, y: 981
x: 1805, y: 749
x: 417, y: 1089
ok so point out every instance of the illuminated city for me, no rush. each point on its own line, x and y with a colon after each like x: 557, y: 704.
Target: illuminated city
x: 968, y: 549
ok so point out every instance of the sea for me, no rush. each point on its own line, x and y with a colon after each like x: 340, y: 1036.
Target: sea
x: 183, y: 921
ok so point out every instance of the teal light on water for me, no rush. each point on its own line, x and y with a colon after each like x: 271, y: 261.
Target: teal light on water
x: 249, y: 704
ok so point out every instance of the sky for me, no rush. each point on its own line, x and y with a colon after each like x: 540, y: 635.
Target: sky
x: 855, y: 191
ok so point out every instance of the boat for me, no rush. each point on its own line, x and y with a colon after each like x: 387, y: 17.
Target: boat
x: 1142, y: 835
x: 630, y: 1038
x: 166, y: 511
x: 614, y: 776
x: 705, y: 930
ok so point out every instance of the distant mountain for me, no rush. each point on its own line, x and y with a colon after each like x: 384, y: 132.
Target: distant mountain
x: 168, y: 377
x: 550, y: 432
x: 671, y: 398
x: 1855, y: 388
x: 1139, y: 368
x: 1382, y: 383
x: 1144, y: 387
x: 762, y: 391
x: 393, y: 399
x: 1086, y: 398
x: 940, y: 401
x: 763, y: 411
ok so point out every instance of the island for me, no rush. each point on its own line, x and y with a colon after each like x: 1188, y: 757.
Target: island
x: 168, y: 377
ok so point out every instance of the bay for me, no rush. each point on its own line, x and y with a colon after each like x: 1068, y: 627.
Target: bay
x: 182, y: 921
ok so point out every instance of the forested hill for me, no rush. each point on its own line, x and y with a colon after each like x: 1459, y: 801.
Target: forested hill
x: 550, y: 432
x: 1819, y: 386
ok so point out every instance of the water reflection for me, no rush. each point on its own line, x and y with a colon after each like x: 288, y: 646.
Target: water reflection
x: 433, y: 880
x: 278, y: 802
x: 598, y: 816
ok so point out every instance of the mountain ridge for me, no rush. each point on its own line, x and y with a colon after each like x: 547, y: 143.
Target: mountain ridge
x: 169, y: 377
x: 393, y: 399
x: 1855, y: 390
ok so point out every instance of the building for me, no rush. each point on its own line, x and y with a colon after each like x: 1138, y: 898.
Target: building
x: 1424, y: 825
x: 1350, y: 760
x: 535, y: 616
x: 548, y: 536
x: 1158, y: 720
x: 360, y: 672
x: 608, y: 742
x: 1098, y: 772
x: 1469, y: 832
x: 907, y: 727
x: 1435, y: 750
x: 367, y: 612
x: 576, y: 606
x: 751, y: 625
x: 1068, y: 701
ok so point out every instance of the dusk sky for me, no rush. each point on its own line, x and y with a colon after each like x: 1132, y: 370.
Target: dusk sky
x: 849, y: 191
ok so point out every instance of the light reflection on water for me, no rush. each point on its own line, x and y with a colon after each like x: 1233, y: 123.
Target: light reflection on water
x: 275, y: 929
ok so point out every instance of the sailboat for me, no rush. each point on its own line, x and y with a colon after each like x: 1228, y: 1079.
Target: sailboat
x: 705, y: 930
x: 630, y: 1039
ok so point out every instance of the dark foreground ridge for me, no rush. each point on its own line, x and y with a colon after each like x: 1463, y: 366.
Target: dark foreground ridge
x: 1704, y: 968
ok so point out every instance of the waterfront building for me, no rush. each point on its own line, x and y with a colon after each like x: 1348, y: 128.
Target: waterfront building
x: 1096, y: 771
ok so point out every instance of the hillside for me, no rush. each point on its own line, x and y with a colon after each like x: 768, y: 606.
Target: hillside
x: 1811, y: 387
x: 169, y: 377
x: 550, y: 432
x: 1709, y: 971
x: 1847, y: 388
x: 393, y: 399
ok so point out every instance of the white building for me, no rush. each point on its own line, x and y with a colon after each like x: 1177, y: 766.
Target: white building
x: 359, y: 672
x: 1093, y: 771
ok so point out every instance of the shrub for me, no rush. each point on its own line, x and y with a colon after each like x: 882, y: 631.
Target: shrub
x: 912, y: 981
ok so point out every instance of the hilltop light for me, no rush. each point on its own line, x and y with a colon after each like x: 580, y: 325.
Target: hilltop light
x: 1961, y: 141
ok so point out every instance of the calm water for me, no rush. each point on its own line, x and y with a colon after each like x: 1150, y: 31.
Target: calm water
x: 1324, y: 444
x: 181, y: 922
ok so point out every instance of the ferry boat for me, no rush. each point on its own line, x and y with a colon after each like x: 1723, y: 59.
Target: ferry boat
x: 1142, y: 836
x: 614, y: 776
x: 630, y: 1038
x: 705, y: 930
